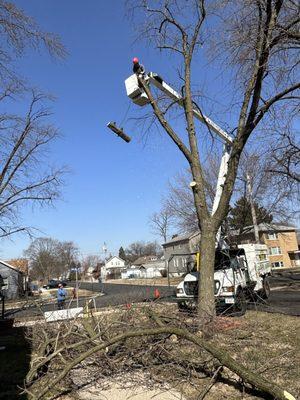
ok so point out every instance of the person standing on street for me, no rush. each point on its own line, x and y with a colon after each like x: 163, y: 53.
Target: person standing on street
x: 61, y: 297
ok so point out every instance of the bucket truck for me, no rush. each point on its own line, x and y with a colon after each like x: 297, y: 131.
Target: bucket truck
x: 239, y: 273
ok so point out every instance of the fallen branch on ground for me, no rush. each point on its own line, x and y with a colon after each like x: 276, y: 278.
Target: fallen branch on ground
x: 99, y: 342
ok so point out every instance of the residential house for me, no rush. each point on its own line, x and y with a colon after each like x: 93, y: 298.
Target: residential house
x: 281, y: 241
x: 146, y: 267
x: 144, y: 259
x: 13, y: 281
x: 93, y: 273
x: 113, y: 268
x: 177, y: 253
x: 131, y: 273
x: 153, y: 269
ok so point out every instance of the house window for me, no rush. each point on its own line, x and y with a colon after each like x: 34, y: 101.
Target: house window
x: 272, y: 236
x: 273, y: 251
x: 5, y: 283
x: 278, y: 264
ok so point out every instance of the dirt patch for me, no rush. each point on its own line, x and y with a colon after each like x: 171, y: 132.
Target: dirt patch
x: 147, y: 282
x: 127, y: 390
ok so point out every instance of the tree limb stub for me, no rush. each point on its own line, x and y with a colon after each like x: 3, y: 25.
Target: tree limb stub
x: 221, y: 355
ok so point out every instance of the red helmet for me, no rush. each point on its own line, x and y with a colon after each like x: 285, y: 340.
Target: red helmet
x: 135, y: 60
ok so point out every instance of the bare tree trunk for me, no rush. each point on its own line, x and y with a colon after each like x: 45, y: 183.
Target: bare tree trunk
x: 206, y: 305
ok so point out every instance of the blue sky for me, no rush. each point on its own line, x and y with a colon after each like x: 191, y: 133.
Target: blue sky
x: 113, y: 187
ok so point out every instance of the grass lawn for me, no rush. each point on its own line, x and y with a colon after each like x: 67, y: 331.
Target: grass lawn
x: 268, y: 344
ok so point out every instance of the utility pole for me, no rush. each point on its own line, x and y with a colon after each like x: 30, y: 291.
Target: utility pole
x: 252, y: 206
x: 104, y: 249
x: 76, y: 278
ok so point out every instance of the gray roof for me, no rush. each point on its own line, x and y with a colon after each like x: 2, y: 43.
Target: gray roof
x: 274, y: 227
x: 181, y: 238
x: 145, y: 259
x: 153, y: 264
x: 10, y: 266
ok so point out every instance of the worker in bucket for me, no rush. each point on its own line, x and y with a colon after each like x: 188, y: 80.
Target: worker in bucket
x: 61, y: 297
x: 137, y: 67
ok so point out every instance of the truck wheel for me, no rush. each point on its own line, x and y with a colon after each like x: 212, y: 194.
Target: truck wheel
x: 182, y: 306
x: 265, y: 294
x: 187, y: 306
x: 240, y: 304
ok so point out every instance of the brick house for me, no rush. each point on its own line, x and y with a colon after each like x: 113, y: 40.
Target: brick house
x: 281, y: 241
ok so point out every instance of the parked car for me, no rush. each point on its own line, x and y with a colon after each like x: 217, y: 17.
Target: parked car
x: 33, y: 289
x: 53, y: 284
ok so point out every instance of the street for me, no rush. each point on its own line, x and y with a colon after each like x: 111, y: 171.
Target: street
x: 284, y: 298
x: 114, y: 294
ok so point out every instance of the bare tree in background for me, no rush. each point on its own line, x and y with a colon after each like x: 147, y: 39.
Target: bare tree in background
x: 141, y: 248
x: 51, y: 259
x: 261, y: 40
x: 67, y: 254
x: 26, y: 178
x: 90, y: 262
x: 44, y: 261
x: 286, y: 158
x: 180, y: 202
x: 161, y: 222
x: 179, y: 199
x: 20, y: 32
x: 268, y: 189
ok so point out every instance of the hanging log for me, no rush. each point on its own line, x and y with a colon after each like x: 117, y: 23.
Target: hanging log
x: 118, y: 131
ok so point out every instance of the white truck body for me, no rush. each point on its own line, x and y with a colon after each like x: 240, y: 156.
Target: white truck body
x: 244, y: 273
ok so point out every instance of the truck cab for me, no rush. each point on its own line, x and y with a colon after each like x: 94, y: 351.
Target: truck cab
x: 240, y: 274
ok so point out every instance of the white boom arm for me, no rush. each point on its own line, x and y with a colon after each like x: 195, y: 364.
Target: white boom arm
x: 139, y: 97
x: 158, y: 82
